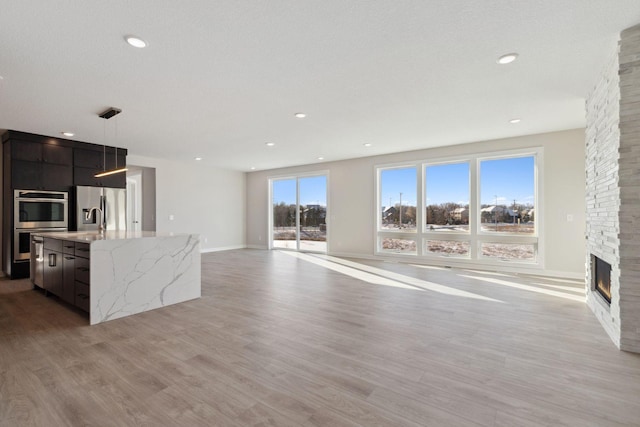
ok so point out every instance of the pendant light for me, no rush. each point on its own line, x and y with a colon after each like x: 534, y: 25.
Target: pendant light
x: 107, y: 115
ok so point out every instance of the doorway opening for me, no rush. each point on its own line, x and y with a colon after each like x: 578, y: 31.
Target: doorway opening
x: 141, y: 198
x: 299, y: 213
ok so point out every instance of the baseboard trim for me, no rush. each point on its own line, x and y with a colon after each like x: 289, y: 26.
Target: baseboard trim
x: 257, y: 247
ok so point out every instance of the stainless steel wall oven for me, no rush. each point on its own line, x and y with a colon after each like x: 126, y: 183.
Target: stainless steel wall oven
x: 37, y: 211
x: 40, y: 209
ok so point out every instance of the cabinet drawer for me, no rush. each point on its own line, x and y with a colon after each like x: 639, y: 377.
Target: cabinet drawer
x: 68, y: 248
x: 82, y: 298
x: 52, y: 244
x: 82, y: 250
x: 83, y: 274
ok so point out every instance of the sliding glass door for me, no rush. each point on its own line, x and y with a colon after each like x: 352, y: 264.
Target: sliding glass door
x: 299, y: 213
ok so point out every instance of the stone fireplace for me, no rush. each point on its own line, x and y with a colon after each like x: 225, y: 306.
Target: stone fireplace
x: 613, y: 194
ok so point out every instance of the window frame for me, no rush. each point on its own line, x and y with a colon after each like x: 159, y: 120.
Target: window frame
x: 296, y: 177
x: 475, y: 236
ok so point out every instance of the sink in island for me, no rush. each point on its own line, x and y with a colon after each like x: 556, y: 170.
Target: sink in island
x: 119, y: 273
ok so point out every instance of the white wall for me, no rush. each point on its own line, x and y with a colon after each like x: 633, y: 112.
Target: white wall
x: 352, y: 188
x: 202, y: 199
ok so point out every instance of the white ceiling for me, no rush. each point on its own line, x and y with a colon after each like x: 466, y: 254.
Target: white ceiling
x: 221, y: 78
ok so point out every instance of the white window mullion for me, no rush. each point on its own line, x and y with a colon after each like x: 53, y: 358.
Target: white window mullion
x: 420, y: 208
x: 474, y: 207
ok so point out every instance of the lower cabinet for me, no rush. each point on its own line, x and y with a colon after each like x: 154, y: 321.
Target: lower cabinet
x: 68, y: 278
x: 52, y: 277
x: 82, y: 296
x: 66, y: 271
x: 82, y: 276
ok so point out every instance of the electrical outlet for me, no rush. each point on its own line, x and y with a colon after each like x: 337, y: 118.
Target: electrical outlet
x: 171, y: 217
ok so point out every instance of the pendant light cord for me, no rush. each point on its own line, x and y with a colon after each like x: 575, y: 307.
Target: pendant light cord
x: 116, y: 143
x: 104, y: 147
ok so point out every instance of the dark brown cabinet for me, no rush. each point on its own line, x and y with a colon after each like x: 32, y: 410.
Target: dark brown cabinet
x: 67, y: 271
x: 82, y: 276
x: 53, y: 270
x: 86, y: 176
x: 57, y: 155
x: 25, y: 150
x: 88, y: 163
x: 41, y: 176
x: 99, y: 159
x: 38, y: 166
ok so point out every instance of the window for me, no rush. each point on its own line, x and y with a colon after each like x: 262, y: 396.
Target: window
x: 507, y: 195
x: 447, y: 197
x: 398, y: 188
x: 398, y: 210
x: 471, y: 208
x: 299, y: 213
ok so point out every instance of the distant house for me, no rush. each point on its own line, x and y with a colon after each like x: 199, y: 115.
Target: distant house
x: 460, y: 214
x: 500, y: 213
x: 388, y: 212
x: 492, y: 209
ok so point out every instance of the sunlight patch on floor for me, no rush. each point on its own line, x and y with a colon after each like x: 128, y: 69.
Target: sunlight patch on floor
x: 566, y: 281
x: 563, y: 288
x: 527, y: 288
x: 361, y: 275
x: 428, y: 267
x: 388, y: 278
x: 489, y: 273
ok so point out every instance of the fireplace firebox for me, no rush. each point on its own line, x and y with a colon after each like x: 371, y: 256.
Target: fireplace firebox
x: 601, y: 277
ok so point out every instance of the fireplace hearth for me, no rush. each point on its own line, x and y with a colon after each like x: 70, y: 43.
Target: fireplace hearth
x: 601, y: 277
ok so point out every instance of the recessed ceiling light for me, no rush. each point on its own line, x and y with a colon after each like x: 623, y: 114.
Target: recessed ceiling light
x: 514, y: 121
x: 67, y: 133
x: 198, y: 158
x: 507, y: 59
x: 136, y: 41
x: 367, y: 144
x: 320, y: 158
x: 300, y: 115
x: 253, y: 168
x: 269, y: 144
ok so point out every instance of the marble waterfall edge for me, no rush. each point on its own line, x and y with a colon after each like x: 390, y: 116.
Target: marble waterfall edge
x: 130, y: 276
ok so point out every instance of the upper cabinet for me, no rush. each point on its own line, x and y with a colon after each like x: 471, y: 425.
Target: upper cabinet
x: 88, y: 163
x: 37, y: 166
x: 41, y: 153
x: 35, y: 162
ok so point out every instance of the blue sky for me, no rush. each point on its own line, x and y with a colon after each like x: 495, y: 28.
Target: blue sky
x: 313, y: 191
x: 509, y: 179
x: 448, y: 183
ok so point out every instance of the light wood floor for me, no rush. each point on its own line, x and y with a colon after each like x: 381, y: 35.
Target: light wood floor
x: 278, y: 340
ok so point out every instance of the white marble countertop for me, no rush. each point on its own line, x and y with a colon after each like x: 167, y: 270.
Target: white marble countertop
x: 84, y: 236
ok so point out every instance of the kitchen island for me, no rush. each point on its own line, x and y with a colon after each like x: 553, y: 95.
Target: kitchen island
x: 120, y: 273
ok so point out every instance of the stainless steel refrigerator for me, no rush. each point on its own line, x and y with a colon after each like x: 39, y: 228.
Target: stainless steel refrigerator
x: 112, y: 202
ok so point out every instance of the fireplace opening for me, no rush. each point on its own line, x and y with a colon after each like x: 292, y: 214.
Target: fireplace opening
x: 601, y: 277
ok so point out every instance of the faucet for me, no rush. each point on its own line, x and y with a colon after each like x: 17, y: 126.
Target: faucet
x: 87, y: 215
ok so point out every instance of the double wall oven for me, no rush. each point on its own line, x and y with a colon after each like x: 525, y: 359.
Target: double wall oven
x: 37, y: 211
